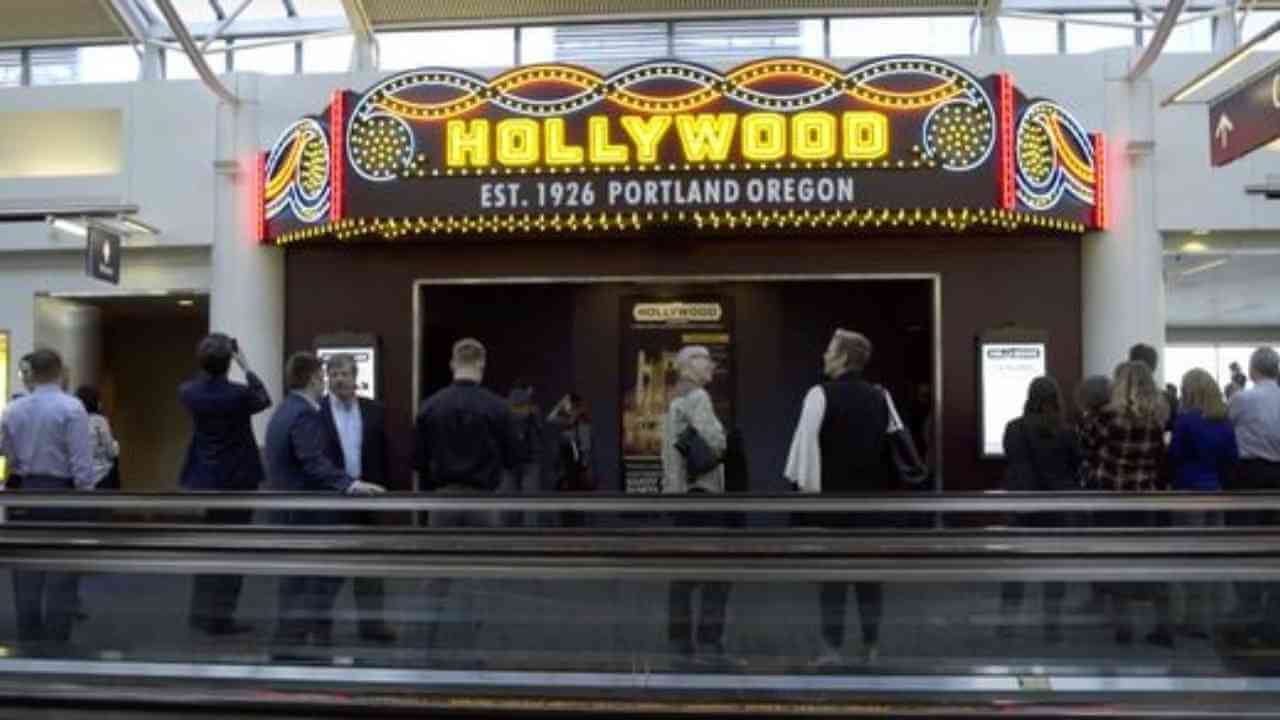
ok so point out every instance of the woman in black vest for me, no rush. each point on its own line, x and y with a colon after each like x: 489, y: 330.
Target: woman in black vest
x: 1044, y: 456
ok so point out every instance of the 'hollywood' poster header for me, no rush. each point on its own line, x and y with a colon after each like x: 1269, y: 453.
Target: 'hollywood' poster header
x: 900, y: 141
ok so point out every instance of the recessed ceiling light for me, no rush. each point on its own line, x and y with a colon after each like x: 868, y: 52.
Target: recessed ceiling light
x: 1205, y: 267
x: 186, y: 303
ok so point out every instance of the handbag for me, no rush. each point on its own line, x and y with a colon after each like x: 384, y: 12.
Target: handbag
x: 906, y: 461
x: 699, y: 459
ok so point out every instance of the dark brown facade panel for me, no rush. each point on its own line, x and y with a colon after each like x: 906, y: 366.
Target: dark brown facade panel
x: 986, y: 282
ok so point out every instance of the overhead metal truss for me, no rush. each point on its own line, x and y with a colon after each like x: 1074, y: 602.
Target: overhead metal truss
x: 155, y: 25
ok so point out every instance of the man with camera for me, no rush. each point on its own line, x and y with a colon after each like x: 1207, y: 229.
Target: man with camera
x: 223, y: 456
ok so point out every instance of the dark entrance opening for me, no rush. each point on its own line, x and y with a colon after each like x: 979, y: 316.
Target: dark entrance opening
x: 566, y: 336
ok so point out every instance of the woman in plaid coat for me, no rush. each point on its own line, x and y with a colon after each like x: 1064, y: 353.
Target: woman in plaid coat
x: 1124, y: 447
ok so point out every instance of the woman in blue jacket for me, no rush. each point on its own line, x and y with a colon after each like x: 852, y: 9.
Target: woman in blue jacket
x: 1202, y: 452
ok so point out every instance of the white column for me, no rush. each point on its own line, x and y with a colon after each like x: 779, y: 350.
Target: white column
x: 990, y: 36
x: 1226, y: 35
x: 246, y: 299
x: 1122, y: 268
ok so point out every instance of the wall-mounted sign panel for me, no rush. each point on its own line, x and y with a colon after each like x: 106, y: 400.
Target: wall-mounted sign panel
x: 1006, y: 368
x: 366, y: 359
x: 102, y: 255
x: 1245, y: 119
x: 780, y: 142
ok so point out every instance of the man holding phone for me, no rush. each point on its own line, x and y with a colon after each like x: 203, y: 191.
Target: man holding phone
x: 223, y: 456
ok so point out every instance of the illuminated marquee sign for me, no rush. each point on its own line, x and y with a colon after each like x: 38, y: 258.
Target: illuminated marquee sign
x: 773, y: 143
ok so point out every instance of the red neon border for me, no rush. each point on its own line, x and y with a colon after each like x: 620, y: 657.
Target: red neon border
x: 259, y: 194
x: 1008, y: 189
x: 1100, y: 210
x: 337, y: 156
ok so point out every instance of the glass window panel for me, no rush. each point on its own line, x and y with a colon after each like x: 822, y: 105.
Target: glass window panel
x: 1257, y: 21
x: 319, y: 8
x: 54, y: 66
x: 1178, y: 359
x: 490, y: 48
x: 327, y: 55
x: 259, y: 9
x: 537, y: 44
x: 10, y: 68
x: 594, y: 44
x: 271, y: 60
x: 178, y: 67
x: 1196, y: 37
x: 108, y: 63
x: 1085, y: 38
x: 1029, y: 37
x: 869, y: 37
x: 741, y: 39
x: 1228, y: 354
x: 191, y: 11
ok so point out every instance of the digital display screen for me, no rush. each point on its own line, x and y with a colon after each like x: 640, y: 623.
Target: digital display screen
x: 1007, y: 369
x: 366, y: 368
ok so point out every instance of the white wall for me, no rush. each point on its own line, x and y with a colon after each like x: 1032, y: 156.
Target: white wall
x: 177, y: 131
x: 168, y: 163
x: 24, y: 275
x: 1190, y: 193
x: 75, y: 331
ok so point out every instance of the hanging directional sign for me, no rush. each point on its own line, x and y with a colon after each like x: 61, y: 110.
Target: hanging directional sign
x: 1245, y: 119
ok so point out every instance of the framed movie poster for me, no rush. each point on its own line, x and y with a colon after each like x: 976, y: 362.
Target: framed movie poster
x: 1008, y: 360
x: 364, y: 348
x: 653, y: 330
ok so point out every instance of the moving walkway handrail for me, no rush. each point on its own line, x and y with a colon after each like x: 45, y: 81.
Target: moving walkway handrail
x: 970, y: 502
x: 629, y: 543
x: 979, y: 567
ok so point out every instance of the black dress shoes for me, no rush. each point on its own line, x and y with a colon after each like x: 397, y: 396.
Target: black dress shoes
x: 223, y: 628
x: 380, y: 634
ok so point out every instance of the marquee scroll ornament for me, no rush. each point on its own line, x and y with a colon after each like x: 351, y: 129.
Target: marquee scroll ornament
x: 958, y: 132
x: 1054, y: 156
x: 297, y: 172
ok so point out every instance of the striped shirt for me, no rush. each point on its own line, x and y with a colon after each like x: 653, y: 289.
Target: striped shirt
x: 1255, y: 413
x: 47, y: 433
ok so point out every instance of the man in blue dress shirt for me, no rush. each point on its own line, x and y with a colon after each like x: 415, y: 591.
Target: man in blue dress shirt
x: 45, y: 438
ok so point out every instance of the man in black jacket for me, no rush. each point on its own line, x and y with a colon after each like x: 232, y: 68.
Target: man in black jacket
x: 356, y: 440
x: 465, y: 440
x: 223, y: 456
x: 840, y: 446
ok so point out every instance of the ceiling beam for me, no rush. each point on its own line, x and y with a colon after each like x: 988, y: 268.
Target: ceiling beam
x: 193, y: 53
x: 364, y: 49
x: 990, y: 37
x: 133, y: 24
x: 358, y: 18
x: 1168, y: 21
x: 224, y: 24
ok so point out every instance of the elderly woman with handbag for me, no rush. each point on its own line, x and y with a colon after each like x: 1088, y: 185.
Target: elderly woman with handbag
x: 693, y: 445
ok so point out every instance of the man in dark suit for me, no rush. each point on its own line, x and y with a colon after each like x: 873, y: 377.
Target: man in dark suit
x: 356, y: 440
x: 297, y: 462
x: 223, y: 456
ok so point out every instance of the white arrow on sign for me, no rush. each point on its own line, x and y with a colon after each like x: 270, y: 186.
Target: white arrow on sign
x: 1225, y: 126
